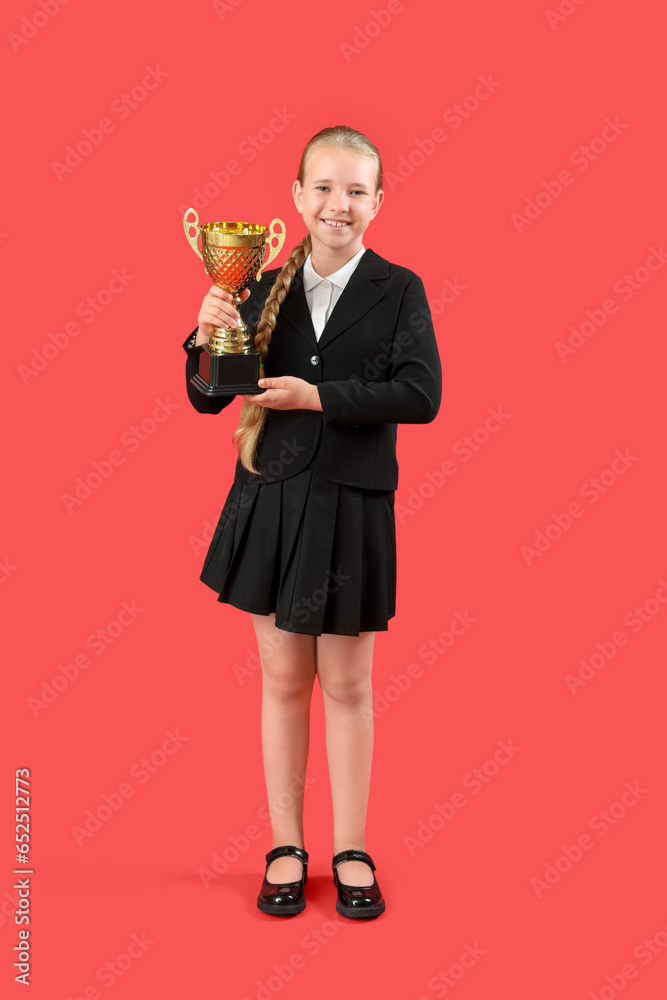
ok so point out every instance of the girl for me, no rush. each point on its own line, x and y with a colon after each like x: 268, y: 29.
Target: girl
x: 306, y: 539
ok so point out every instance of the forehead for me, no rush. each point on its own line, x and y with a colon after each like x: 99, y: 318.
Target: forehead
x: 340, y: 165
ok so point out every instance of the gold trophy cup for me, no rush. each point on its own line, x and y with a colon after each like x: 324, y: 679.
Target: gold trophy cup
x: 232, y: 253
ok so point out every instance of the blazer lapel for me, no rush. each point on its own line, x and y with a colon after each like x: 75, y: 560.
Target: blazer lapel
x: 359, y: 295
x: 295, y: 310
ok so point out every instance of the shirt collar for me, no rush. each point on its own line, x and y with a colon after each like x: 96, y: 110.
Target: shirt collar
x: 340, y: 277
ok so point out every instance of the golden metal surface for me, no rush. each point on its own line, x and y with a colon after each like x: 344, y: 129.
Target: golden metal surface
x: 273, y: 250
x: 192, y: 240
x: 232, y: 253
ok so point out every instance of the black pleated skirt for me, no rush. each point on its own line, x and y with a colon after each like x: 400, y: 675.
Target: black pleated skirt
x: 321, y: 555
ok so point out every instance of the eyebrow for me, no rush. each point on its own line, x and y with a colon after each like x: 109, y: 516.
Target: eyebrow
x: 327, y: 180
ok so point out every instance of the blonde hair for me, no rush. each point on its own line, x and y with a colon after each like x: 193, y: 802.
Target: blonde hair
x: 252, y: 417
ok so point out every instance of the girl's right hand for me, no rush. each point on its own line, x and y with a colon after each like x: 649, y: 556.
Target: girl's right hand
x: 216, y: 311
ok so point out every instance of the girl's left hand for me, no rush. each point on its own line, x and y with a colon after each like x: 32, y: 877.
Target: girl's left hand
x: 285, y: 392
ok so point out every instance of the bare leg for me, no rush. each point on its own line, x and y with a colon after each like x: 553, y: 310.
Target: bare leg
x: 344, y: 666
x: 288, y: 675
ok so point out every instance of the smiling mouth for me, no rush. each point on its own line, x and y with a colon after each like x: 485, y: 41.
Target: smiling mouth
x: 332, y: 224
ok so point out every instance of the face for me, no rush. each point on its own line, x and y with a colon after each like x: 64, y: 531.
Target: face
x: 339, y: 187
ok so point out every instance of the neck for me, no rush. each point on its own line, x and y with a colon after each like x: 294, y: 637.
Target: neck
x: 326, y: 262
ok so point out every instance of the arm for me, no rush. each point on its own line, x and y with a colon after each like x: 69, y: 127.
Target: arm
x: 412, y: 392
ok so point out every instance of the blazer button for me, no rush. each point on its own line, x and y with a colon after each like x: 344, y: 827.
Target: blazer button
x: 314, y: 360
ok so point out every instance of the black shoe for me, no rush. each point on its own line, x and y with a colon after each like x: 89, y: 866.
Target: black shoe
x: 357, y: 900
x: 284, y: 899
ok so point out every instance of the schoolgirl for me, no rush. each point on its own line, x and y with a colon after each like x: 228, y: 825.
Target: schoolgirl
x: 306, y: 538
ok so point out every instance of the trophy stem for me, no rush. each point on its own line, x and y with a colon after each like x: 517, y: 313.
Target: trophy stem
x: 232, y: 340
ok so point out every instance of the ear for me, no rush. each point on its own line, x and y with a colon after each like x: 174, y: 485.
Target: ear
x: 379, y: 198
x: 297, y: 192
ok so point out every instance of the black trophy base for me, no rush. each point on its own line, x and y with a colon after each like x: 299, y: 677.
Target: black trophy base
x: 227, y: 374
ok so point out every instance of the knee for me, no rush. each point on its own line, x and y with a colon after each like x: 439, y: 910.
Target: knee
x: 351, y: 691
x: 287, y: 681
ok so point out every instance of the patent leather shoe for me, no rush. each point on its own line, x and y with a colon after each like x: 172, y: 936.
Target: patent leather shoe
x: 357, y: 901
x: 283, y: 899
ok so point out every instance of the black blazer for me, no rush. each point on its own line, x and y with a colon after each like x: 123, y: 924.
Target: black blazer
x: 376, y: 365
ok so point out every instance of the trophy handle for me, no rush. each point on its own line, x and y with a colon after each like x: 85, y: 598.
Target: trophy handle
x: 192, y: 224
x: 273, y: 250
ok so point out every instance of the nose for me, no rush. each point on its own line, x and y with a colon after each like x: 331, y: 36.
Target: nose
x: 339, y: 201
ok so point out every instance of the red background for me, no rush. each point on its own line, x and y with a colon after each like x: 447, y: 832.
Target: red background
x: 140, y: 535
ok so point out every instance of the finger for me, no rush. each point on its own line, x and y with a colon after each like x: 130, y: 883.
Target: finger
x: 220, y: 292
x: 271, y: 383
x: 214, y: 318
x: 220, y: 315
x: 221, y: 303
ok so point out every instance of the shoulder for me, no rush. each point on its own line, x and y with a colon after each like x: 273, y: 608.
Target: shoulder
x: 376, y: 266
x: 398, y: 278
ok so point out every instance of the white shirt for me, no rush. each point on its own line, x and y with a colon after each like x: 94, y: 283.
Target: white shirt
x: 322, y: 294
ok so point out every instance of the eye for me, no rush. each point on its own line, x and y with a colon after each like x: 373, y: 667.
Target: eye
x: 321, y: 187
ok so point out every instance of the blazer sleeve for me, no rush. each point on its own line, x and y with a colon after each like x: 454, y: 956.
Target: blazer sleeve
x: 201, y: 403
x: 412, y: 392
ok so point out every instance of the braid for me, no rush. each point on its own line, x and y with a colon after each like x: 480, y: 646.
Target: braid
x: 252, y: 417
x: 251, y: 421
